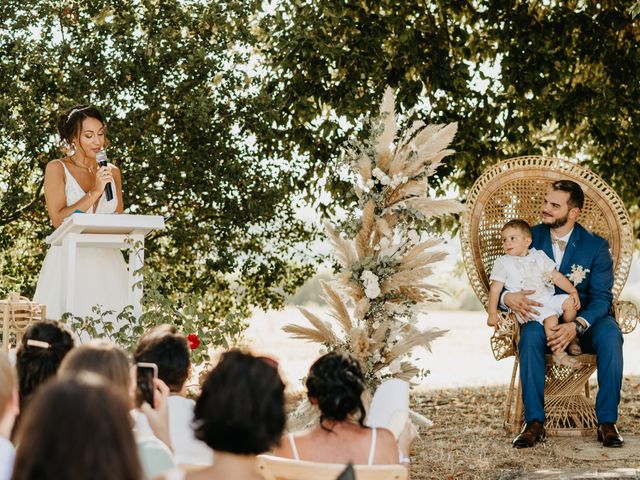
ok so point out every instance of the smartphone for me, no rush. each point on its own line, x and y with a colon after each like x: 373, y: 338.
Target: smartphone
x: 145, y: 373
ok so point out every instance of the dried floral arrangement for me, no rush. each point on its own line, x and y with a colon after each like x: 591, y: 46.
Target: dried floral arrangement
x: 386, y: 263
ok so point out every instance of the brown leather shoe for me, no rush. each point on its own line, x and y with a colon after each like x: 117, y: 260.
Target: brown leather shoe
x: 531, y: 433
x: 609, y: 436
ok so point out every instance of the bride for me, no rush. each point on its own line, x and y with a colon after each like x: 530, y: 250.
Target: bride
x: 75, y: 184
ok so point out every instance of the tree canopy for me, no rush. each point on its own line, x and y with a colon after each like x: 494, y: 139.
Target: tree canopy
x: 224, y: 115
x: 173, y: 81
x: 555, y: 78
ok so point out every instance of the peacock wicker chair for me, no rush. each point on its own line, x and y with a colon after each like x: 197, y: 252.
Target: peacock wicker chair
x: 515, y: 188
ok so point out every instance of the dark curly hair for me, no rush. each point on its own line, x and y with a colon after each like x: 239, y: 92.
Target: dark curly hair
x: 76, y: 428
x: 241, y: 408
x: 169, y: 350
x: 36, y: 364
x: 336, y: 382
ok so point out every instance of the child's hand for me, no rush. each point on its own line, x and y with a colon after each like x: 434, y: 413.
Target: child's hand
x: 493, y: 319
x: 576, y: 299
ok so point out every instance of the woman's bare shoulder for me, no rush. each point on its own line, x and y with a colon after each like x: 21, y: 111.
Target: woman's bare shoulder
x: 385, y: 437
x: 55, y: 167
x: 57, y: 163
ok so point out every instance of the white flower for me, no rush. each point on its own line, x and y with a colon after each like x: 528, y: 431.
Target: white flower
x: 367, y: 276
x: 372, y: 291
x: 578, y: 274
x: 370, y: 183
x: 413, y: 236
x: 385, y: 180
x: 384, y: 242
x: 379, y: 174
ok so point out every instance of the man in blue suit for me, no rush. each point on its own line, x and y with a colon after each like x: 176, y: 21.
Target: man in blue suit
x: 585, y: 259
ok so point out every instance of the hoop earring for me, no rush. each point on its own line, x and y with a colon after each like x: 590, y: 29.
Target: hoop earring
x: 67, y: 148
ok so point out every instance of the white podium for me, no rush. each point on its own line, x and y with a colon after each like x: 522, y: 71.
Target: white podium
x: 103, y: 231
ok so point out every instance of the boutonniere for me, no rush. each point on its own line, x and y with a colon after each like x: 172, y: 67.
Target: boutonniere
x: 578, y: 274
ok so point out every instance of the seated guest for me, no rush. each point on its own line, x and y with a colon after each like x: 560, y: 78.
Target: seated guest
x: 39, y: 355
x: 101, y: 357
x: 77, y: 429
x: 169, y: 350
x: 335, y: 384
x: 109, y: 361
x: 8, y: 413
x: 239, y: 414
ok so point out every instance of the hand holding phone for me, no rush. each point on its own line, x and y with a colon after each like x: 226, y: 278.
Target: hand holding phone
x: 145, y: 375
x: 157, y: 411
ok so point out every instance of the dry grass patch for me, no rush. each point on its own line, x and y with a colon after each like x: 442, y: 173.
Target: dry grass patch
x: 467, y: 440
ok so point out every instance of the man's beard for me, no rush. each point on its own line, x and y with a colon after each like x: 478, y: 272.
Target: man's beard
x: 559, y: 222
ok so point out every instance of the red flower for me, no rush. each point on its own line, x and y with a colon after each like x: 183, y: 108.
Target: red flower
x: 193, y: 340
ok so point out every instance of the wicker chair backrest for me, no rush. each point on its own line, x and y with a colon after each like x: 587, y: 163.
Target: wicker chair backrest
x: 516, y: 188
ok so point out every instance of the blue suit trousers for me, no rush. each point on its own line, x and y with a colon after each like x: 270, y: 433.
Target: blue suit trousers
x: 603, y: 338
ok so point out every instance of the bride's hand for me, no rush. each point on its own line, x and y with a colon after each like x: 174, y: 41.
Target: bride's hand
x: 103, y: 177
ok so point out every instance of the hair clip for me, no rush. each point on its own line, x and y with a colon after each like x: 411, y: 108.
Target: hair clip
x: 38, y: 343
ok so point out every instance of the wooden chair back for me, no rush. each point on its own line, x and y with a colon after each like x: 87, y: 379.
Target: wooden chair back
x: 278, y: 468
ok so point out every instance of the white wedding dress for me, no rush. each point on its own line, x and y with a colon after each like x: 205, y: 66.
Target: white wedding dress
x: 101, y: 273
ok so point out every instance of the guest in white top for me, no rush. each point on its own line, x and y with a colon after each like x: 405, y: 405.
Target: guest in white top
x: 335, y: 384
x: 8, y: 411
x: 169, y: 350
x: 522, y: 268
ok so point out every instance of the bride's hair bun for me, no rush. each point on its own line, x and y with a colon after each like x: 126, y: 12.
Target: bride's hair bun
x: 336, y: 381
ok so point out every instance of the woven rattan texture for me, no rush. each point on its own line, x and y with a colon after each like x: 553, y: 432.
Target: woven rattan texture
x: 515, y: 189
x: 17, y: 314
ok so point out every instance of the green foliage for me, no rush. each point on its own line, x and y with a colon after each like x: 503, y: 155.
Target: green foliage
x: 188, y: 314
x: 556, y: 78
x: 222, y: 115
x: 173, y: 79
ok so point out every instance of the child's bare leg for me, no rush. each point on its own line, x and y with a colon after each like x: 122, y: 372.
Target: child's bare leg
x: 559, y: 358
x: 549, y: 323
x: 569, y: 314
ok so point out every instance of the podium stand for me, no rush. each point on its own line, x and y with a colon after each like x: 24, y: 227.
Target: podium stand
x: 103, y: 231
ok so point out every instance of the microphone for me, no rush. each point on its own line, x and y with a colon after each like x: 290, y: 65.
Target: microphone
x: 101, y: 157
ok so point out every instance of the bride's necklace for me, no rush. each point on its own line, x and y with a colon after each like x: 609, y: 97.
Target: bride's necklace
x: 79, y: 165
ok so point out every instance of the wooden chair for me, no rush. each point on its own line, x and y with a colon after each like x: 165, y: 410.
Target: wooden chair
x: 17, y: 314
x: 516, y: 188
x: 278, y: 468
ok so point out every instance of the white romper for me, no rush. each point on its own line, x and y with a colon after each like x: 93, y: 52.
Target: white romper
x: 531, y: 272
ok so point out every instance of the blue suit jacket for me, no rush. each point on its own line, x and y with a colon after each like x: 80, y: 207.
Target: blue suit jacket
x: 591, y: 252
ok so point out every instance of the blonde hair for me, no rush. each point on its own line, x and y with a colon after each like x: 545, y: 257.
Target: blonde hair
x: 8, y: 383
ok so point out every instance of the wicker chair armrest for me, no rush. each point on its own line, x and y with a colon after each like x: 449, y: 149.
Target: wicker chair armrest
x: 626, y: 314
x: 504, y: 340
